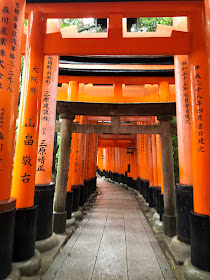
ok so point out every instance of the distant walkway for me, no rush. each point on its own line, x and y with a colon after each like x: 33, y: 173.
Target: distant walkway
x: 114, y: 242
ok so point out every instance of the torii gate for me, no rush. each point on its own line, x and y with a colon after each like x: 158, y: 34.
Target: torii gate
x: 164, y: 111
x: 192, y: 43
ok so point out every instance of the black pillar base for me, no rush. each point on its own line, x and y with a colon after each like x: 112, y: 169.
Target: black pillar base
x: 130, y: 182
x: 160, y: 206
x: 133, y: 184
x: 184, y: 200
x: 93, y: 185
x: 25, y: 234
x: 151, y: 201
x: 146, y: 190
x: 138, y: 185
x: 200, y: 241
x: 86, y: 184
x: 69, y: 203
x: 76, y: 197
x: 82, y: 195
x: 126, y: 180
x: 7, y: 226
x: 157, y: 192
x: 43, y: 199
x: 90, y: 187
x: 142, y: 187
x: 113, y: 176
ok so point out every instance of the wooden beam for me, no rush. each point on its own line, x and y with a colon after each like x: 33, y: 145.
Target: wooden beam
x: 116, y: 109
x: 115, y: 143
x: 129, y: 9
x: 178, y: 44
x: 109, y: 129
x: 113, y: 80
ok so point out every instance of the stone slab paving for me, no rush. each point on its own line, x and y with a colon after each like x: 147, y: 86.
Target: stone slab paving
x: 114, y: 242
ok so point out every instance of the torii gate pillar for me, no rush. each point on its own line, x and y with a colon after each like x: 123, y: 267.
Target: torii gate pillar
x: 169, y: 217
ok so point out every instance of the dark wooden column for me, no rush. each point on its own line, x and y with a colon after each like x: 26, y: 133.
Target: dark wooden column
x: 170, y: 216
x: 59, y: 214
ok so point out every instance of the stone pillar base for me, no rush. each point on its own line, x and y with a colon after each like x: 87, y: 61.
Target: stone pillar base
x: 158, y: 226
x: 59, y: 222
x: 47, y: 244
x: 71, y: 222
x: 77, y: 215
x: 169, y: 225
x: 15, y: 273
x: 155, y: 216
x: 193, y: 273
x: 179, y: 250
x: 31, y: 266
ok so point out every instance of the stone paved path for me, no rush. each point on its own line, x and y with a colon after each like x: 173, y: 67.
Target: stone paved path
x: 113, y: 242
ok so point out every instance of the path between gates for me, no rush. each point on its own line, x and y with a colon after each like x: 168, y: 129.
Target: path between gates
x: 114, y: 241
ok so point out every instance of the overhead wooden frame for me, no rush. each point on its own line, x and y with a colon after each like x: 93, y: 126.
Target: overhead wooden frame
x: 178, y: 44
x: 111, y: 129
x: 114, y: 80
x: 128, y: 9
x: 116, y: 109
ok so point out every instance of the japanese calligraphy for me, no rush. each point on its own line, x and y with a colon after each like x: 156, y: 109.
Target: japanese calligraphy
x: 185, y: 88
x: 199, y: 110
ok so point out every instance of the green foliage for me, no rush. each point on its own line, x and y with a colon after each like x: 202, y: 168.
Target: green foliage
x: 79, y: 22
x: 65, y: 22
x: 58, y: 143
x: 150, y: 24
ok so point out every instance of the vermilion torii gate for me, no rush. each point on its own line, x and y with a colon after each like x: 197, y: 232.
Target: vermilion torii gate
x: 193, y: 43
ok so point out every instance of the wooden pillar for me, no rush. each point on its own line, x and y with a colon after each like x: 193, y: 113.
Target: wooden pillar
x: 48, y: 110
x: 11, y: 27
x: 23, y: 185
x: 150, y: 161
x: 154, y: 160
x: 169, y: 217
x: 44, y: 189
x: 60, y: 214
x: 73, y: 91
x: 146, y: 165
x: 207, y: 14
x: 200, y: 100
x: 184, y: 190
x: 94, y: 148
x: 151, y: 173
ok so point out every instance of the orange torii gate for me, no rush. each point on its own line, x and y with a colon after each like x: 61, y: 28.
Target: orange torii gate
x: 192, y: 43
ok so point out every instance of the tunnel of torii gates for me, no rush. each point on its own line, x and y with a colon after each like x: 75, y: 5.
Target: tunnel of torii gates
x: 119, y: 109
